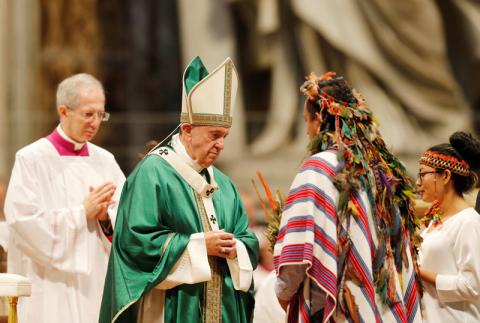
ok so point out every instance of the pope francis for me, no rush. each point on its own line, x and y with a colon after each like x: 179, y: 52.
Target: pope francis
x: 182, y: 250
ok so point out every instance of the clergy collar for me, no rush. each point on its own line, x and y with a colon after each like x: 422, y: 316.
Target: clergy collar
x: 66, y: 146
x: 180, y: 149
x: 76, y: 145
x: 195, y: 179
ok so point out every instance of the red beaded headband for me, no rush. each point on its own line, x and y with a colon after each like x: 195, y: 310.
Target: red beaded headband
x: 436, y: 160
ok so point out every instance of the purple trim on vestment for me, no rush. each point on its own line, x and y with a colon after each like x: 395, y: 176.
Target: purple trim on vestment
x: 64, y: 147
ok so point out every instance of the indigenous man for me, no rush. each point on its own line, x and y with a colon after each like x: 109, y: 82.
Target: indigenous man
x: 182, y: 250
x: 57, y: 207
x: 343, y: 249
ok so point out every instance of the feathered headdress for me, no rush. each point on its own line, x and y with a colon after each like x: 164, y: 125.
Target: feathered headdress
x: 367, y: 165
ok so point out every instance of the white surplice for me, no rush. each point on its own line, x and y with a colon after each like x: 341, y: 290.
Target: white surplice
x: 452, y: 250
x: 51, y: 241
x: 267, y: 308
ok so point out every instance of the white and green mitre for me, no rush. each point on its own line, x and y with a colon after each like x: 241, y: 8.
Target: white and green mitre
x: 207, y: 98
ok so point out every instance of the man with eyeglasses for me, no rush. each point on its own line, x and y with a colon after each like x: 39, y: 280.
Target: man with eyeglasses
x: 60, y: 207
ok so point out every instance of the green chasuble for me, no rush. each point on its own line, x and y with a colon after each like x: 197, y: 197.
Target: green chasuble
x: 157, y: 213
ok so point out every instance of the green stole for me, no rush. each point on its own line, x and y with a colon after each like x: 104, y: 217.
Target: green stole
x: 212, y: 301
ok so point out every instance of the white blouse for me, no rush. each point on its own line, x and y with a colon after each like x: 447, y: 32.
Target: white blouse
x: 452, y: 250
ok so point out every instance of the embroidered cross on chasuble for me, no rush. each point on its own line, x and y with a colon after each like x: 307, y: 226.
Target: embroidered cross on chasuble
x: 213, y: 219
x: 212, y: 298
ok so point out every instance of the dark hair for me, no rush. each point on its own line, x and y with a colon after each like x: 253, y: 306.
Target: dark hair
x: 337, y: 88
x: 462, y: 146
x: 148, y: 146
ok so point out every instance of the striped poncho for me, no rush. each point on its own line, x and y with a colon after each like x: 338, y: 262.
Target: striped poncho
x: 309, y: 235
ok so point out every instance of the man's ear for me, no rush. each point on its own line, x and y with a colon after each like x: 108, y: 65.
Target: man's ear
x: 186, y: 129
x: 62, y: 110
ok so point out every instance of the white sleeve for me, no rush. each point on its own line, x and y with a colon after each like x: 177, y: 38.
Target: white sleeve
x: 192, y: 267
x: 241, y: 268
x: 267, y: 308
x: 53, y: 237
x: 464, y: 286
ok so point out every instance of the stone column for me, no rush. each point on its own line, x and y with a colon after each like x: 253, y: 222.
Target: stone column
x: 24, y: 49
x: 4, y: 73
x: 19, y: 34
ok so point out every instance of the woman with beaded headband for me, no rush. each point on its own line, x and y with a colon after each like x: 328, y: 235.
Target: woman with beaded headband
x: 449, y: 257
x: 344, y: 249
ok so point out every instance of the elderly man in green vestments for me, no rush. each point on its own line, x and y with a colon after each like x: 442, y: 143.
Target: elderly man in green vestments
x: 182, y: 250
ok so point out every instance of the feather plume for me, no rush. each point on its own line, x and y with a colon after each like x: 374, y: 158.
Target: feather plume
x: 274, y: 214
x: 260, y: 200
x: 267, y: 191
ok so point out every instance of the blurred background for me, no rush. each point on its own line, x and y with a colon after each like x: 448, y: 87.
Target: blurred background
x: 417, y: 62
